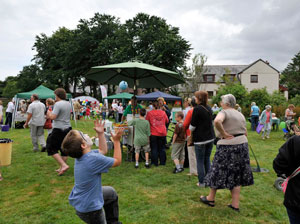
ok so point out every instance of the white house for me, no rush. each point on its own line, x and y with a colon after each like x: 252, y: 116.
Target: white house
x: 257, y: 75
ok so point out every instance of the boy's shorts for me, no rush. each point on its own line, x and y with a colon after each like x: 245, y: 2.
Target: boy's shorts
x: 145, y: 148
x: 178, y: 151
x: 55, y: 140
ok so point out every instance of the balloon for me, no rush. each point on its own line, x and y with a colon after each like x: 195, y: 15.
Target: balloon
x: 123, y: 85
x: 282, y: 125
x: 101, y: 104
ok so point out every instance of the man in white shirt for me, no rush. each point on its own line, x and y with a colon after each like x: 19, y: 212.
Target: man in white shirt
x: 36, y: 121
x: 9, y: 112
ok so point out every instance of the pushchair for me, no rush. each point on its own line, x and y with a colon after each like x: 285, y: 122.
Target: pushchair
x: 290, y: 129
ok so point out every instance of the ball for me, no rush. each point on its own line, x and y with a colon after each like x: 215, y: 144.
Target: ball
x: 123, y: 85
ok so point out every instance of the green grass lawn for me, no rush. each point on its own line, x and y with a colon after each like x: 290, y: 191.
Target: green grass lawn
x: 31, y: 191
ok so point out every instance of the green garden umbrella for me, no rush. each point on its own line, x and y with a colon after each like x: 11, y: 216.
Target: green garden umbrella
x: 136, y: 74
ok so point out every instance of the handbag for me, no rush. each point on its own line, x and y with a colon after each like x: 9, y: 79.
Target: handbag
x: 48, y: 124
x: 286, y: 181
x: 259, y: 128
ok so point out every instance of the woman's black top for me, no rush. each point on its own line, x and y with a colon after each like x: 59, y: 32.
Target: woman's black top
x: 286, y: 162
x: 202, y: 121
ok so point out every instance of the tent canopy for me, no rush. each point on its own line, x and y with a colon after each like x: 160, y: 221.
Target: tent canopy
x: 126, y: 96
x: 155, y: 95
x: 42, y: 91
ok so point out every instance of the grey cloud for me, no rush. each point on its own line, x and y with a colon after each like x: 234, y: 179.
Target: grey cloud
x: 232, y: 31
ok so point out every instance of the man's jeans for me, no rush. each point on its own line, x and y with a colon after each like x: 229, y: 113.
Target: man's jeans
x: 203, y: 153
x: 108, y: 214
x: 158, y: 145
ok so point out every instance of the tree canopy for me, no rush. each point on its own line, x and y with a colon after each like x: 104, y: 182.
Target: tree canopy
x: 64, y: 57
x: 291, y: 76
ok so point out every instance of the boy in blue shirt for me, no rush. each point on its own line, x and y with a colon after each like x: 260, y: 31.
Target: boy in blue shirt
x: 88, y: 197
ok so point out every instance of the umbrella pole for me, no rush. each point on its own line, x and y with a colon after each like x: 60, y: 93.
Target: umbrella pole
x: 134, y: 93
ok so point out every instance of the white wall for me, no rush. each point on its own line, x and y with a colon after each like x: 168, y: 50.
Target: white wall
x: 267, y: 77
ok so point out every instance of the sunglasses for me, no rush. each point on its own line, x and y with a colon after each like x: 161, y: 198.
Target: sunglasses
x: 82, y: 136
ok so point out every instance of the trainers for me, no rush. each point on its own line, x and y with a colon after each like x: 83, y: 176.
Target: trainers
x: 136, y: 166
x: 147, y: 165
x: 43, y: 149
x: 268, y: 137
x: 263, y: 138
x: 178, y: 170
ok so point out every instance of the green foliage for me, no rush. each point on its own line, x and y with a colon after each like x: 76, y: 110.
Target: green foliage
x: 291, y: 76
x: 260, y: 96
x: 236, y: 89
x: 29, y: 78
x: 277, y: 98
x: 10, y: 87
x: 295, y: 100
x: 193, y: 73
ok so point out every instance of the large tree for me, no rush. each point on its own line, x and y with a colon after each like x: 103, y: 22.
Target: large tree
x: 67, y: 55
x: 151, y: 40
x: 291, y: 76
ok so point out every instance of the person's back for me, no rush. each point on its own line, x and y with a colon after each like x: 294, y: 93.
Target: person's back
x: 62, y: 109
x: 158, y: 120
x: 255, y: 110
x: 141, y: 131
x: 37, y: 109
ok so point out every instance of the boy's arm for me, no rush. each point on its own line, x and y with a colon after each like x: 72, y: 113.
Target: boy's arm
x: 99, y: 128
x: 117, y: 146
x: 174, y: 138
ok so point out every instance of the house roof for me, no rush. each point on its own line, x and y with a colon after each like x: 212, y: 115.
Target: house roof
x: 220, y: 70
x: 267, y: 63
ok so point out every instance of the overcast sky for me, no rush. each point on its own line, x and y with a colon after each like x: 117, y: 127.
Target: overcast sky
x: 227, y: 32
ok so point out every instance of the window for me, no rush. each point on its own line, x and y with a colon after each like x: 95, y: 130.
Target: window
x: 208, y: 78
x: 229, y: 78
x: 210, y: 94
x: 254, y: 79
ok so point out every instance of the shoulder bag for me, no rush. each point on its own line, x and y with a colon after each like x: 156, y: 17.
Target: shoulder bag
x: 286, y: 181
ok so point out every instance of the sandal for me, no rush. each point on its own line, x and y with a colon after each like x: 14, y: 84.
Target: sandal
x: 233, y: 208
x: 204, y: 200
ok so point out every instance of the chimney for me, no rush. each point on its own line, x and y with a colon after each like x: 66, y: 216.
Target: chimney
x: 267, y: 62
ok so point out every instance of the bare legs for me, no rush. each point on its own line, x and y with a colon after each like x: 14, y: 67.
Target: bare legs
x: 235, y: 196
x: 61, y: 160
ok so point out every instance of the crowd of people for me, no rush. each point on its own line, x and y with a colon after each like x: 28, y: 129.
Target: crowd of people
x: 198, y: 127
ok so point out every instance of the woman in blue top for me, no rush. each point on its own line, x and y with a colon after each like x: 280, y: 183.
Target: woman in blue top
x: 254, y: 114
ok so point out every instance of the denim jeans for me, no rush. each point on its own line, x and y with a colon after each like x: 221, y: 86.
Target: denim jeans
x: 203, y: 153
x: 293, y: 217
x: 254, y: 122
x: 109, y: 213
x: 157, y: 144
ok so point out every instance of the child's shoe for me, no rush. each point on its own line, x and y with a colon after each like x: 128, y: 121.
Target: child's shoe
x: 136, y: 165
x: 147, y: 165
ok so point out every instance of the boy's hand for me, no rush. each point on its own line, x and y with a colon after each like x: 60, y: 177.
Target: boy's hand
x: 117, y: 135
x: 99, y: 126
